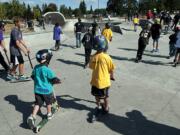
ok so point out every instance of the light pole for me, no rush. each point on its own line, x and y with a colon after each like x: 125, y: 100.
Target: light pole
x: 98, y: 8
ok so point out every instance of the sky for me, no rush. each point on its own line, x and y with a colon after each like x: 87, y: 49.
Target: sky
x: 72, y: 3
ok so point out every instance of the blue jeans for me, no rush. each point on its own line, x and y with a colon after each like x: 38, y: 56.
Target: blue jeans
x: 172, y: 50
x: 78, y: 39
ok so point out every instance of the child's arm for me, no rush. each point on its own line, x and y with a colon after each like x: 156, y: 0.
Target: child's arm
x: 21, y: 47
x: 112, y: 76
x: 23, y: 43
x: 55, y: 80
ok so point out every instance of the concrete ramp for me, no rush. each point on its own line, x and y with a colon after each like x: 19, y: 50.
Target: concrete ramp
x: 54, y: 17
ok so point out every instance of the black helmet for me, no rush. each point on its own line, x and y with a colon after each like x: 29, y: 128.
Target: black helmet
x: 2, y: 24
x: 107, y: 25
x: 44, y: 56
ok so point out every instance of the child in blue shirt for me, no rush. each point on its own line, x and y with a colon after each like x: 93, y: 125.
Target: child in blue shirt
x: 44, y: 78
x: 56, y: 35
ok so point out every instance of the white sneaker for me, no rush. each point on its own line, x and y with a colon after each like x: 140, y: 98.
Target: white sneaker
x: 31, y: 121
x: 49, y: 116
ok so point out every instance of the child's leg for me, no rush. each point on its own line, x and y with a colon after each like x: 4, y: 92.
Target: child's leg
x: 21, y: 69
x: 13, y: 69
x: 49, y: 108
x: 106, y: 103
x: 35, y: 110
x: 97, y: 101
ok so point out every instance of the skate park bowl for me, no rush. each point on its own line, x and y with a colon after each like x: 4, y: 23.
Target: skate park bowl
x: 54, y: 17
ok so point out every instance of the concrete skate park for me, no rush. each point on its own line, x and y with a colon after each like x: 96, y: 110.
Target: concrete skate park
x: 144, y: 98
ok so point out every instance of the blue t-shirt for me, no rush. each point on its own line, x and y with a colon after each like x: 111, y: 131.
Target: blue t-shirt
x: 42, y: 76
x: 1, y: 35
x: 57, y: 32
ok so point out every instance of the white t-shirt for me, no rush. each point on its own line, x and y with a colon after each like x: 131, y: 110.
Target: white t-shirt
x: 178, y: 40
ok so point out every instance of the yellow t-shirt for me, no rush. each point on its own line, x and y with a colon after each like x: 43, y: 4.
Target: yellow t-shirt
x: 102, y: 65
x: 107, y: 33
x: 136, y: 20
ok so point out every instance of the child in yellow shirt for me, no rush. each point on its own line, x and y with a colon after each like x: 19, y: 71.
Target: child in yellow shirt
x: 103, y: 67
x: 136, y: 22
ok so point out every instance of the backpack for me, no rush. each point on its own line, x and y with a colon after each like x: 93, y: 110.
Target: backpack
x: 144, y: 35
x: 87, y: 41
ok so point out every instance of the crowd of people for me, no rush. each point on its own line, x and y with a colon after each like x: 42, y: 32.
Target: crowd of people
x: 101, y: 63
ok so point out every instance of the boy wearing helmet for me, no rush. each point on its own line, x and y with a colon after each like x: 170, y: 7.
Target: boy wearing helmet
x: 44, y: 78
x: 102, y: 67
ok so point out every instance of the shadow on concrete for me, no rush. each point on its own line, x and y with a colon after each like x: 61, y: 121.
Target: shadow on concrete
x: 156, y: 55
x: 127, y: 29
x: 21, y: 106
x: 135, y: 123
x: 66, y: 45
x: 122, y: 58
x: 151, y: 62
x: 71, y: 62
x: 131, y: 49
x: 3, y: 74
x: 69, y: 102
x: 80, y: 54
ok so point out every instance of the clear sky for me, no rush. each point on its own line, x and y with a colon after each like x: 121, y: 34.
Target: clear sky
x: 72, y: 3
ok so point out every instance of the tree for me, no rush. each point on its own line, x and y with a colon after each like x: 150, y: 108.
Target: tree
x: 2, y: 11
x: 91, y: 10
x: 77, y: 12
x: 51, y: 8
x: 44, y: 7
x: 29, y: 14
x: 82, y: 7
x: 64, y: 10
x: 116, y: 6
x: 36, y: 12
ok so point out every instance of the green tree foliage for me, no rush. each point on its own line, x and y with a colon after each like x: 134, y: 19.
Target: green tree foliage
x: 82, y: 7
x: 170, y: 5
x: 77, y: 12
x: 51, y: 8
x: 29, y: 13
x: 67, y: 12
x: 2, y: 11
x: 36, y: 12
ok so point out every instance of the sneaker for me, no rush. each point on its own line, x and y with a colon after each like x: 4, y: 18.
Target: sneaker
x: 49, y: 116
x: 31, y: 121
x: 136, y: 61
x: 153, y: 50
x: 11, y: 77
x: 22, y: 77
x: 157, y: 50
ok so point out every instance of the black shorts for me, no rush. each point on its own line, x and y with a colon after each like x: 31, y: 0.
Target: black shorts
x: 178, y: 50
x: 40, y: 99
x: 17, y: 60
x: 101, y: 93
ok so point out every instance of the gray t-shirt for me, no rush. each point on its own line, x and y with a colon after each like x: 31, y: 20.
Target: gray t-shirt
x: 16, y: 34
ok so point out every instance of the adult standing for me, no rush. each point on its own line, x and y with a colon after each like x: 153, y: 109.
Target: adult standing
x: 78, y: 30
x: 155, y: 32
